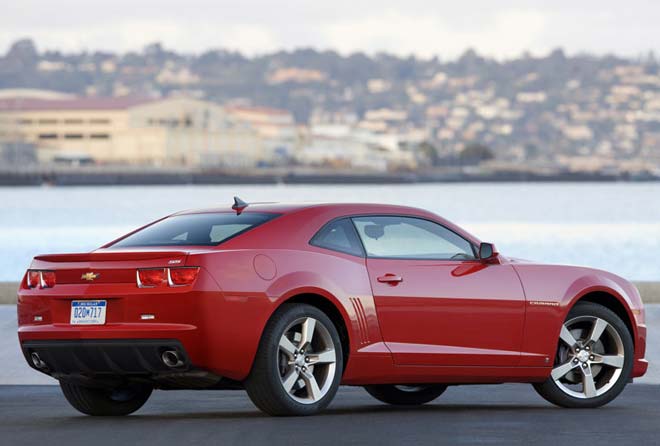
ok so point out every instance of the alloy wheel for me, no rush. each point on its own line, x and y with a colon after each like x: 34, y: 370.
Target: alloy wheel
x: 306, y: 360
x: 590, y: 357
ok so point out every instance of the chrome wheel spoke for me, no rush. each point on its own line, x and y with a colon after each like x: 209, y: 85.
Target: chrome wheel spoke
x: 561, y: 370
x: 311, y: 385
x: 567, y: 337
x: 615, y: 361
x: 307, y: 358
x: 308, y: 327
x: 325, y: 357
x: 588, y: 383
x: 287, y: 346
x: 595, y: 348
x: 597, y: 330
x: 290, y: 379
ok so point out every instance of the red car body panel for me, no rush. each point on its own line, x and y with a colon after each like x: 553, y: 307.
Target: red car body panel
x: 441, y: 314
x: 458, y: 321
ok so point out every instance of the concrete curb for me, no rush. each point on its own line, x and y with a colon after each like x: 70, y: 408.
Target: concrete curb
x: 650, y: 292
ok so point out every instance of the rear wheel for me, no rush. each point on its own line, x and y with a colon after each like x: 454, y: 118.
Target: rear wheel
x: 119, y: 401
x: 406, y: 395
x: 594, y: 359
x: 299, y: 363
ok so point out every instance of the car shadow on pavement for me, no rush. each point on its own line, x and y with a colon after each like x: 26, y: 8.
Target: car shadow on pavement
x: 337, y: 411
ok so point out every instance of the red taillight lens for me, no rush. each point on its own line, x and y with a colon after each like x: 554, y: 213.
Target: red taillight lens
x: 147, y: 278
x: 33, y: 279
x: 151, y: 277
x: 47, y: 279
x: 40, y: 279
x: 183, y: 276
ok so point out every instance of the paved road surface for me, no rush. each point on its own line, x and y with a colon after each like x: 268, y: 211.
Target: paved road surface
x: 502, y: 415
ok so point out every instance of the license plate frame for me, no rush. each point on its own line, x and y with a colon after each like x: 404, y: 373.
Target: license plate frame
x: 88, y: 312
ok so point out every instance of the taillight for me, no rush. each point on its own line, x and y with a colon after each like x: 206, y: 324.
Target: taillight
x: 40, y: 279
x: 151, y: 277
x: 33, y: 279
x: 47, y: 279
x: 182, y: 276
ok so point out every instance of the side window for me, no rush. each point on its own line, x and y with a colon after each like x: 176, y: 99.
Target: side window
x: 339, y: 235
x: 410, y: 238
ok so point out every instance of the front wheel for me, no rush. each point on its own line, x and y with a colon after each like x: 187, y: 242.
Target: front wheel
x: 119, y: 401
x: 402, y: 395
x: 299, y: 363
x: 594, y: 359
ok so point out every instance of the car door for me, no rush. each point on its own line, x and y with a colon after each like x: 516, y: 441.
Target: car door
x: 436, y: 303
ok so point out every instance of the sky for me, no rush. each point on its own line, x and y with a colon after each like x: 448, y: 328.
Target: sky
x: 425, y: 28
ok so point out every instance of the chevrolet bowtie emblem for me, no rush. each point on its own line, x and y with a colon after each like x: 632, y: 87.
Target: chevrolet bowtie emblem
x: 89, y: 276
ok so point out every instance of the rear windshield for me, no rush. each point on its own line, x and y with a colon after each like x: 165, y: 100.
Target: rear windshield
x: 194, y: 229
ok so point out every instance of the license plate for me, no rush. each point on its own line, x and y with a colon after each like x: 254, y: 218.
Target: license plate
x: 88, y: 312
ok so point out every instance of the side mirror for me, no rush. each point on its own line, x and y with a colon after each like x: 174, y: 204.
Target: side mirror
x: 487, y: 251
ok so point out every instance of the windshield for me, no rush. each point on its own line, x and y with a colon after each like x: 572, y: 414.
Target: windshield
x: 194, y: 229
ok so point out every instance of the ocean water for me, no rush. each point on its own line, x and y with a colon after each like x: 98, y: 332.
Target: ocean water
x: 613, y: 226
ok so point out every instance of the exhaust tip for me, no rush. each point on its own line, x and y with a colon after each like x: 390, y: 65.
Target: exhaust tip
x: 37, y: 361
x: 171, y: 358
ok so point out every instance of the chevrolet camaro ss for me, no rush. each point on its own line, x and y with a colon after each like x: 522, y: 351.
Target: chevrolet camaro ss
x: 288, y: 301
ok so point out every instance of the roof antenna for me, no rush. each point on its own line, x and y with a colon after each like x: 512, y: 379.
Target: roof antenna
x: 239, y: 205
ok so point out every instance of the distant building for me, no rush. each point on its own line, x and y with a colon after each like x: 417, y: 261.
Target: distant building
x: 174, y: 132
x: 343, y: 145
x: 33, y: 93
x: 276, y: 128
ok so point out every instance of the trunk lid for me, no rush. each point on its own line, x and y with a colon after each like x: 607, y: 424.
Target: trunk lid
x: 107, y: 266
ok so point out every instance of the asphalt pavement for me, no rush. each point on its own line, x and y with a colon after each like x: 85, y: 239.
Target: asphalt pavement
x: 501, y: 415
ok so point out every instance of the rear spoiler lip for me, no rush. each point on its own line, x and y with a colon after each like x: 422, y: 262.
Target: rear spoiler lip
x: 110, y: 256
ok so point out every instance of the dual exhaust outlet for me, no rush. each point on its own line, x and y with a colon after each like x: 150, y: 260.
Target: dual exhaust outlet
x: 37, y: 361
x: 171, y: 358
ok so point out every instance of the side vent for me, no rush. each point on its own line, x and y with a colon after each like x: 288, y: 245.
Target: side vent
x: 362, y: 320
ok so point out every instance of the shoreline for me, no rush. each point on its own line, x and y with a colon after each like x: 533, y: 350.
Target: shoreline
x: 650, y: 292
x: 137, y: 176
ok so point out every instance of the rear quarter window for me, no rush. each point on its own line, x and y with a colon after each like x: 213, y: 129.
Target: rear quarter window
x: 339, y: 235
x: 194, y: 230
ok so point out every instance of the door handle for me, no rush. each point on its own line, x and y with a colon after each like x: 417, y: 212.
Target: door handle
x: 392, y: 279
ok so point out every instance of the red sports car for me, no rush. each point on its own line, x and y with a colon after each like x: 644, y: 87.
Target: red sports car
x: 288, y: 301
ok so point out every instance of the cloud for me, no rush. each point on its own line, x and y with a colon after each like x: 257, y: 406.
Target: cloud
x: 424, y: 27
x: 133, y: 34
x: 509, y: 33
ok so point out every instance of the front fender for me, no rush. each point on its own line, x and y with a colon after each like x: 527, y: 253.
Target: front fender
x: 593, y: 283
x: 552, y: 290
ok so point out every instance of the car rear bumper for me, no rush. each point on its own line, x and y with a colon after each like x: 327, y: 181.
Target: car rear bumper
x: 130, y: 334
x: 219, y: 334
x: 104, y: 356
x: 106, y: 362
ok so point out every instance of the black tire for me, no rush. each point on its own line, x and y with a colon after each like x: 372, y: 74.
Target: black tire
x: 411, y: 395
x: 551, y: 391
x: 264, y: 384
x: 105, y: 402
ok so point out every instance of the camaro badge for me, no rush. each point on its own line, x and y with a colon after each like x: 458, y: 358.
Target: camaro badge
x: 89, y: 276
x: 544, y: 303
